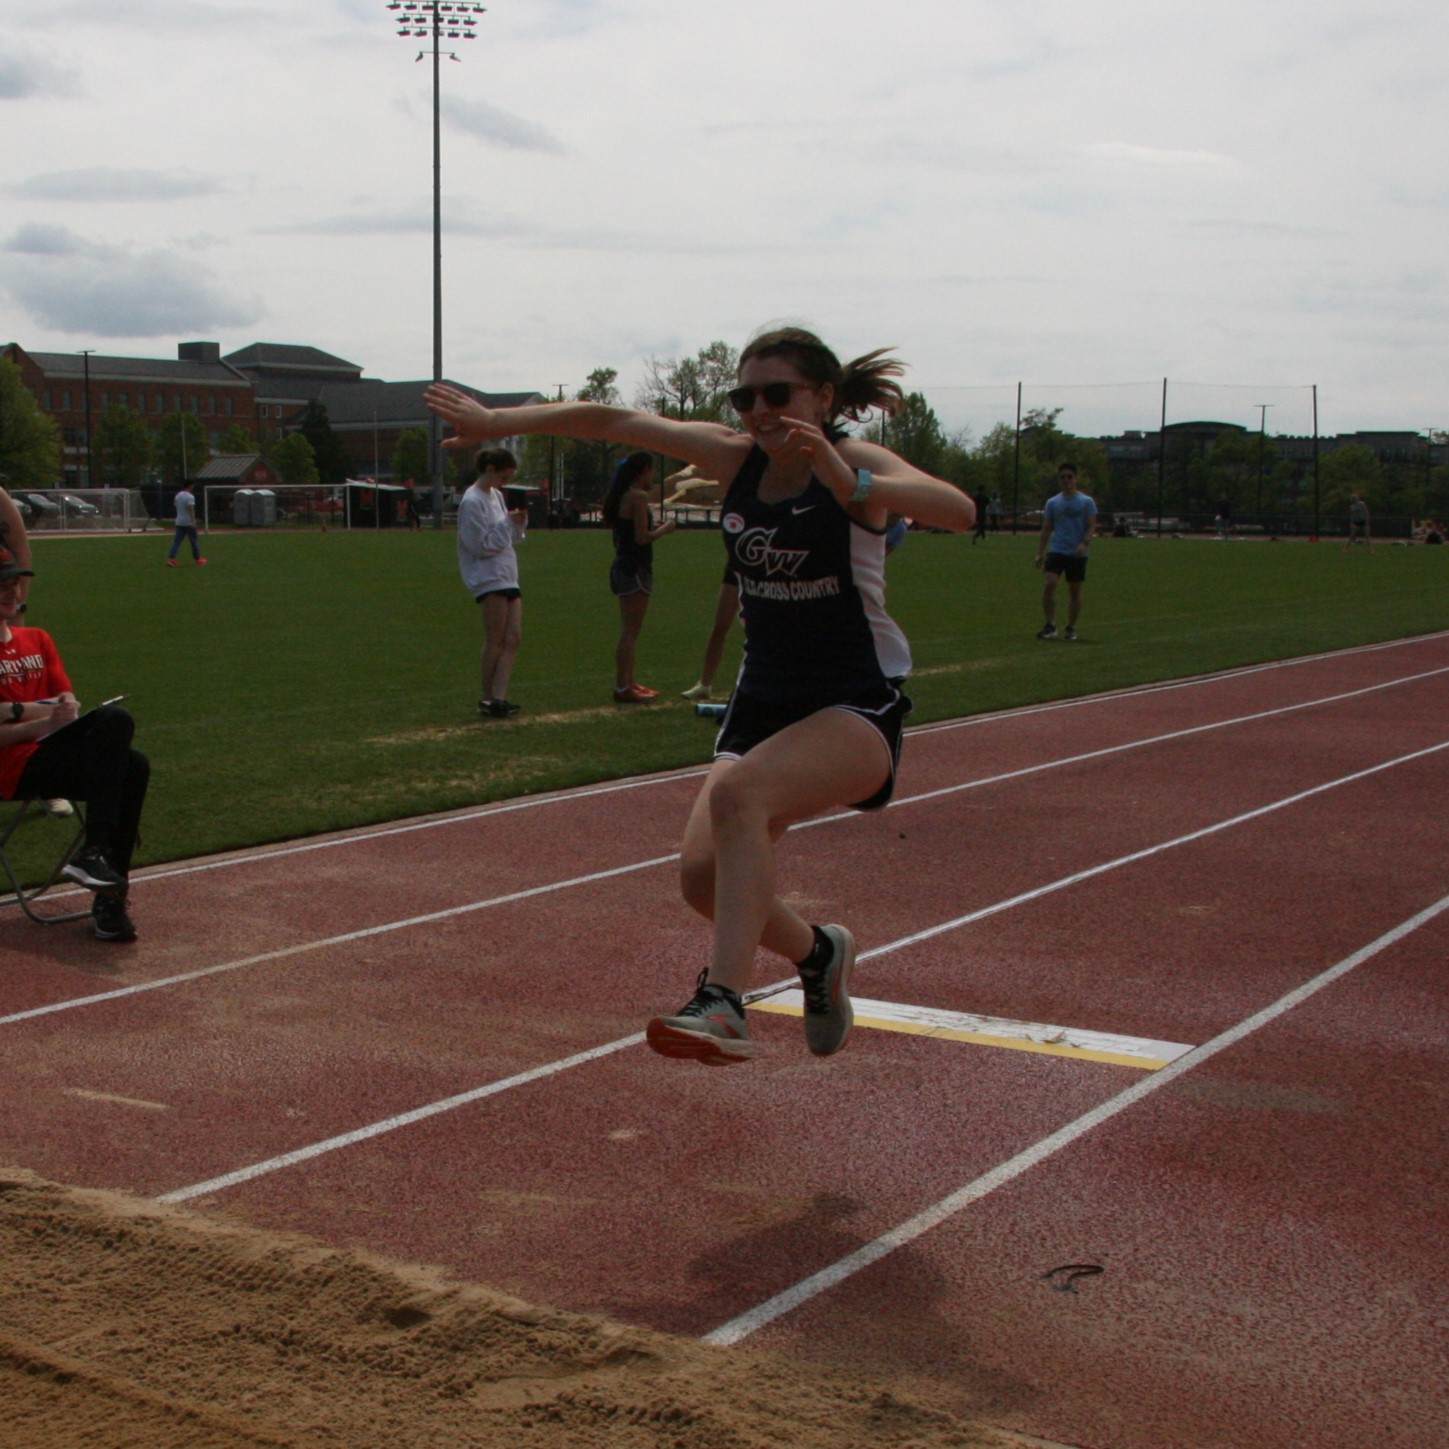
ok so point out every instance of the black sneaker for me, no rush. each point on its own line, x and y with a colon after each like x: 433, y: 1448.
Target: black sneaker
x: 109, y: 921
x: 828, y: 1013
x: 90, y: 868
x: 709, y: 1028
x: 1047, y: 631
x: 502, y: 708
x: 1070, y: 634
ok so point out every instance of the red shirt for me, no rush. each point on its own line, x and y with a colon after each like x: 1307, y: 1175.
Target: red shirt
x: 30, y: 669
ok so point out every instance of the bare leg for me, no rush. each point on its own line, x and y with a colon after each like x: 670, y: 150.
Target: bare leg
x: 728, y: 865
x: 726, y: 610
x: 1074, y: 603
x: 1049, y: 598
x: 632, y: 608
x: 507, y: 654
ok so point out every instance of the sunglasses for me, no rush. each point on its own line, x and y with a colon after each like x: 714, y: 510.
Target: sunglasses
x: 775, y: 394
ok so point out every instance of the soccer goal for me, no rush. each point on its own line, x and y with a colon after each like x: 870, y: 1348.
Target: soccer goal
x: 79, y: 510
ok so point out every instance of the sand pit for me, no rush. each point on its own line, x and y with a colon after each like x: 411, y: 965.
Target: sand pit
x: 123, y: 1324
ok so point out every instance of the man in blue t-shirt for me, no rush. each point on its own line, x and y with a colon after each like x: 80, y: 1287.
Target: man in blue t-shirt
x: 1068, y: 524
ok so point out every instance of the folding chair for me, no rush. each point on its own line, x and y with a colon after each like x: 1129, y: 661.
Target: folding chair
x: 23, y: 896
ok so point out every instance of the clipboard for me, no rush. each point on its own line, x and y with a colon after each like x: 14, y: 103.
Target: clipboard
x: 60, y: 729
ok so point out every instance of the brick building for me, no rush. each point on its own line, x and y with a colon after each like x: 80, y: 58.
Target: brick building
x: 266, y: 387
x: 76, y: 389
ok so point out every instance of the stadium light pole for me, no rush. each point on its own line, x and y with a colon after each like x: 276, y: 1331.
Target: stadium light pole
x: 436, y: 20
x: 1262, y: 439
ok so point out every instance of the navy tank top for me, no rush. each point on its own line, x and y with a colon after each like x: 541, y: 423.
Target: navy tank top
x: 630, y: 554
x: 812, y: 595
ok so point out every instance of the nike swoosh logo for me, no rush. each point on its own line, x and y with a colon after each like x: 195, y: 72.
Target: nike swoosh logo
x: 806, y: 509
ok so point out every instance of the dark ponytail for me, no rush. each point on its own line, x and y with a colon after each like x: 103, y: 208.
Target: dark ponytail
x: 627, y: 470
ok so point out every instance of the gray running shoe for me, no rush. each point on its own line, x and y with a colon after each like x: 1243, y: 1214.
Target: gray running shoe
x: 828, y: 1012
x: 1047, y: 631
x: 1070, y: 634
x: 709, y: 1028
x: 90, y: 868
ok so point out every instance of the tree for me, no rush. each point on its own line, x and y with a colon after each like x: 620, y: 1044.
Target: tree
x: 1354, y: 468
x: 1021, y: 469
x: 238, y: 439
x: 180, y: 448
x: 410, y: 458
x: 123, y: 448
x: 30, y: 454
x: 333, y: 463
x: 691, y: 388
x: 915, y: 433
x: 294, y: 460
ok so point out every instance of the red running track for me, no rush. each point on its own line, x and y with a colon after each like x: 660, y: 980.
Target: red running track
x: 426, y: 1040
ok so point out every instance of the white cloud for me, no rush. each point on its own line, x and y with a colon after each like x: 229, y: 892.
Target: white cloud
x: 1157, y: 156
x: 1004, y: 192
x: 499, y: 127
x: 26, y: 74
x: 99, y: 289
x: 106, y: 183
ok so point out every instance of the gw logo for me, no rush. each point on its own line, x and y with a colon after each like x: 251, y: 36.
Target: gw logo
x: 757, y: 547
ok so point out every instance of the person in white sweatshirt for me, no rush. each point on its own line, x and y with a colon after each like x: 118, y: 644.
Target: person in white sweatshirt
x: 487, y: 532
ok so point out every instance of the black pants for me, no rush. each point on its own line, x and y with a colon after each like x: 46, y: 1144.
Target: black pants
x: 92, y: 760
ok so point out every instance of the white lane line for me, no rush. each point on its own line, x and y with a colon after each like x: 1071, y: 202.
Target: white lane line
x: 997, y: 1031
x: 1167, y: 686
x: 389, y: 1124
x: 586, y: 792
x: 1182, y: 734
x: 360, y: 935
x: 1005, y: 1172
x: 323, y: 944
x: 1037, y: 892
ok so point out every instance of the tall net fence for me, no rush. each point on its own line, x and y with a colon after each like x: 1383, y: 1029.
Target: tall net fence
x: 1175, y: 455
x: 80, y: 510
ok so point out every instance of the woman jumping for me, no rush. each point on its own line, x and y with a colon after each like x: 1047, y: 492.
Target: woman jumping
x: 815, y: 721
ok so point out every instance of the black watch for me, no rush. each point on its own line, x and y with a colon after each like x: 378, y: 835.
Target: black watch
x: 17, y: 711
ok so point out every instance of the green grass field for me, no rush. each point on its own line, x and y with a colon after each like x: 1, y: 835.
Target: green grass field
x: 310, y: 682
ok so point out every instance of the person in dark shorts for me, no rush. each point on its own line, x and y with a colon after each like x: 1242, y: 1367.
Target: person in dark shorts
x: 1068, y: 525
x: 1358, y: 523
x: 982, y: 501
x: 816, y: 716
x: 631, y: 575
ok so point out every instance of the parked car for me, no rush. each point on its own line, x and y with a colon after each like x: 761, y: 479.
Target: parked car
x: 78, y: 505
x: 42, y: 506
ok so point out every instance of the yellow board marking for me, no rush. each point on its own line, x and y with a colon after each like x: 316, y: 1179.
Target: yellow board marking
x: 1019, y: 1036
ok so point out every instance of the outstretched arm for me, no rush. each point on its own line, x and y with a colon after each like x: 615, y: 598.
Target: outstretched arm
x: 895, y: 485
x: 716, y: 449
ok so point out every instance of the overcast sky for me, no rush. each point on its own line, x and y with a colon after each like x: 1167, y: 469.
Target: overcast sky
x: 1245, y: 197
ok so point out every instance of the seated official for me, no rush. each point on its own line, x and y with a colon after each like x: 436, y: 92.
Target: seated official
x: 49, y: 750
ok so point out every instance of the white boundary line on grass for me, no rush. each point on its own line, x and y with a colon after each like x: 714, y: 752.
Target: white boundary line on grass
x: 812, y: 1287
x: 266, y: 853
x: 447, y: 1104
x: 510, y: 898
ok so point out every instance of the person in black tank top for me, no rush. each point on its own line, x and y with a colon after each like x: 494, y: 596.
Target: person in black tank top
x: 815, y: 720
x: 631, y: 576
